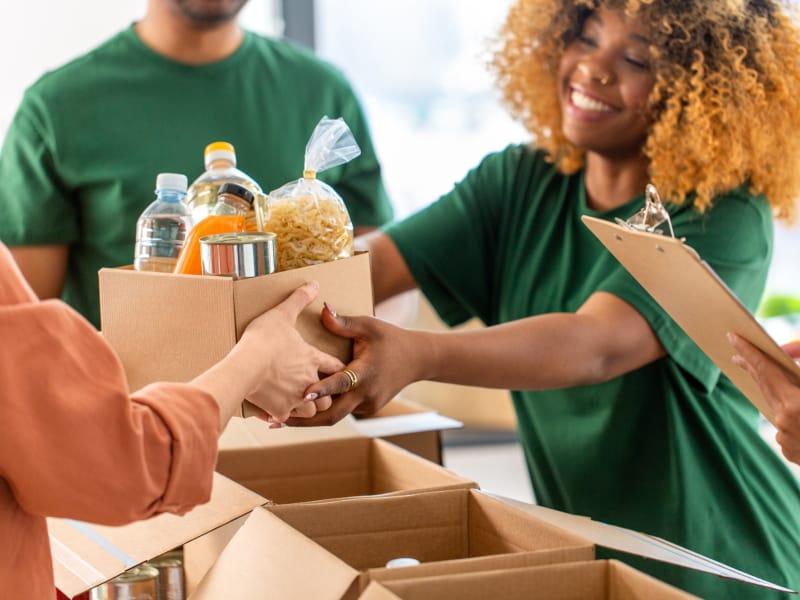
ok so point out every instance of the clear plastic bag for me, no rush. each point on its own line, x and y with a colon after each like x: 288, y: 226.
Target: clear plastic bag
x: 308, y: 217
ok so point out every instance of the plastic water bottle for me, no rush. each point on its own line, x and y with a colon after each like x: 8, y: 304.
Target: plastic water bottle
x: 162, y: 228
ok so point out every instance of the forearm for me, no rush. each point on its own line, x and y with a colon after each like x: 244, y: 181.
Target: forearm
x: 228, y: 382
x: 545, y: 352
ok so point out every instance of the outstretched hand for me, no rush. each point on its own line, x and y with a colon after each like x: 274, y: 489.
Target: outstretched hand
x: 384, y: 362
x: 780, y: 389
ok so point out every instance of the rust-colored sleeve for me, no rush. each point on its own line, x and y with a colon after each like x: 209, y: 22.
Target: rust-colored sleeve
x: 73, y: 442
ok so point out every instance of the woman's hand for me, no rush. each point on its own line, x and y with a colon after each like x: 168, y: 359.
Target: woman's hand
x: 282, y: 365
x: 385, y: 359
x: 779, y: 388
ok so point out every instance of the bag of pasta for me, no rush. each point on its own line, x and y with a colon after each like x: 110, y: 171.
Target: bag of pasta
x: 308, y: 217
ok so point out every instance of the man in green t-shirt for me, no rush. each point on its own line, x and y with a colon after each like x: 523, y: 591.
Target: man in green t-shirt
x: 79, y: 161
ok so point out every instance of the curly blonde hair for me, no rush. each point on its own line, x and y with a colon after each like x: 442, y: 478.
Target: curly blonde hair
x: 726, y: 98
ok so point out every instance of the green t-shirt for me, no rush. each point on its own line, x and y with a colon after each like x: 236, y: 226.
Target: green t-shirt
x: 671, y: 449
x: 79, y: 162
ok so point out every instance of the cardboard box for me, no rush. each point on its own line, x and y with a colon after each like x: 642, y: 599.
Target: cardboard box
x: 335, y: 468
x: 451, y: 532
x: 85, y: 555
x: 316, y: 470
x: 168, y: 327
x: 595, y: 580
x: 406, y: 424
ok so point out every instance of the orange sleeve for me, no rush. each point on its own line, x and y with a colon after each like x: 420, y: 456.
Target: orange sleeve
x: 73, y: 442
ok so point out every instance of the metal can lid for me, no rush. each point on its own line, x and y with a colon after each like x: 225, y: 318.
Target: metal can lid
x: 241, y: 237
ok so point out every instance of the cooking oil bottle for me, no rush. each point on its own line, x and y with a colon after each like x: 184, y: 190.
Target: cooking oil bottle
x: 220, y: 163
x: 228, y: 215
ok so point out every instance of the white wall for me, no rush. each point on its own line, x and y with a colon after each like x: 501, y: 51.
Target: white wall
x: 38, y: 35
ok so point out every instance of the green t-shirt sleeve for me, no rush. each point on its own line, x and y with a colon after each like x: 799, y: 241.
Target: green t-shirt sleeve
x: 359, y: 182
x: 450, y: 246
x: 34, y: 205
x: 735, y: 239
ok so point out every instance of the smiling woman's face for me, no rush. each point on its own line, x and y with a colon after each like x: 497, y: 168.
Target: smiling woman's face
x: 605, y: 78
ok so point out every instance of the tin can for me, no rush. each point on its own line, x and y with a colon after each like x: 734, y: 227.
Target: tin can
x: 170, y: 575
x: 138, y: 583
x: 239, y: 255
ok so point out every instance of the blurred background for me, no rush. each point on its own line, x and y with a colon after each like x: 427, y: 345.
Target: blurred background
x: 419, y: 67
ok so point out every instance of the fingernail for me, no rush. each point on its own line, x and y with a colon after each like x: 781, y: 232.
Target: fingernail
x: 731, y: 337
x: 277, y: 426
x: 312, y: 396
x: 330, y: 309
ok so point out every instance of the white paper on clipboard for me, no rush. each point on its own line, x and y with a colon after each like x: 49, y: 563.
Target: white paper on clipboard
x: 695, y: 297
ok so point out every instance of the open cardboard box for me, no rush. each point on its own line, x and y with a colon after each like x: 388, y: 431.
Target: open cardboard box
x: 86, y: 555
x: 402, y: 422
x: 352, y: 539
x: 450, y: 532
x: 594, y: 580
x: 317, y: 470
x: 167, y: 327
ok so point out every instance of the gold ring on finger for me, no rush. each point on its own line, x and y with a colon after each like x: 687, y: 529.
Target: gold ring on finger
x: 351, y: 375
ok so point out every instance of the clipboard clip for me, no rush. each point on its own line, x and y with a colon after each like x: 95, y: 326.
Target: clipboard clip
x: 652, y: 217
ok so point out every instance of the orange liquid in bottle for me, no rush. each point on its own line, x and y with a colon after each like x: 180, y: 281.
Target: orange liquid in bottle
x: 189, y: 258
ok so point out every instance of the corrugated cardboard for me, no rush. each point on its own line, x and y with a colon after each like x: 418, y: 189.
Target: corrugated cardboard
x: 334, y: 469
x: 325, y: 469
x: 404, y: 423
x: 86, y: 555
x: 595, y: 580
x: 451, y: 531
x: 168, y: 327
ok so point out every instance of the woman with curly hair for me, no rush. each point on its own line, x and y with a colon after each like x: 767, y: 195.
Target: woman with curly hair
x: 621, y: 416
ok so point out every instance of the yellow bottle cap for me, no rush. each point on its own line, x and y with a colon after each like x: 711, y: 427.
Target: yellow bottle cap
x: 214, y: 146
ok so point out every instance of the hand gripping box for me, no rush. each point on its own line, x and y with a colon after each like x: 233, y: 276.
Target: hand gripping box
x: 348, y: 542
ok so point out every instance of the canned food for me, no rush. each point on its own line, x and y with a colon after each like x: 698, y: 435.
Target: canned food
x: 138, y: 583
x: 170, y: 575
x: 238, y: 255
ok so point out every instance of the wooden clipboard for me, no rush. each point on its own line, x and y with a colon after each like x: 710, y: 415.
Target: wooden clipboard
x: 695, y: 297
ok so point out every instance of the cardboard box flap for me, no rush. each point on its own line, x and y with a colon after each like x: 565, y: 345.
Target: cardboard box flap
x: 268, y: 558
x: 400, y: 424
x: 255, y: 433
x: 598, y: 579
x: 254, y: 295
x: 375, y: 591
x: 695, y: 297
x: 86, y: 555
x: 633, y: 542
x: 128, y: 326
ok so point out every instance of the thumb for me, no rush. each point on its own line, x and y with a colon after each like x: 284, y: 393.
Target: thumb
x: 348, y: 327
x: 298, y: 300
x: 792, y: 349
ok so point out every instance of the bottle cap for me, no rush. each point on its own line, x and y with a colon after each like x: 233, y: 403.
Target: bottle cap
x: 219, y: 150
x: 171, y: 181
x: 402, y: 562
x: 237, y: 190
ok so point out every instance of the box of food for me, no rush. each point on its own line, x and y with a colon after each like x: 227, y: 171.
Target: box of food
x: 167, y: 327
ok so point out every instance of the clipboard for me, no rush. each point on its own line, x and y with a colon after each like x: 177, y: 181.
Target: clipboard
x: 690, y: 292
